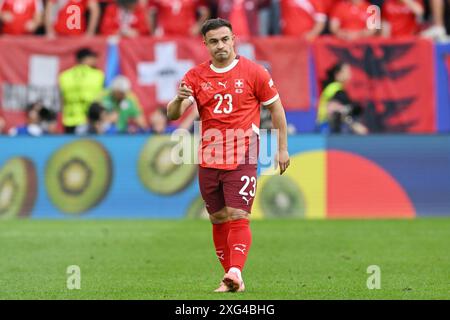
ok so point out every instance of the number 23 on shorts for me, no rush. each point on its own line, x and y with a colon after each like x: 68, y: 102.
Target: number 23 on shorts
x: 247, y: 181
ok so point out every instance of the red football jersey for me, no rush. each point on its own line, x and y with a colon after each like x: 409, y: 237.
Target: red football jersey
x: 64, y: 12
x: 176, y: 17
x: 229, y: 99
x: 116, y: 19
x: 299, y: 16
x: 22, y: 12
x: 329, y: 5
x: 402, y: 20
x: 351, y: 16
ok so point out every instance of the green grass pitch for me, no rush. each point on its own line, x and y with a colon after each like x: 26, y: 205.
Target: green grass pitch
x: 175, y: 259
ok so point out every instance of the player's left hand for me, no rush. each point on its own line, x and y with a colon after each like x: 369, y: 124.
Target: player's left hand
x: 282, y: 160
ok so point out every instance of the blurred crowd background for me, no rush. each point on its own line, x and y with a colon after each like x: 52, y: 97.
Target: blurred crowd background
x: 308, y: 18
x: 116, y: 109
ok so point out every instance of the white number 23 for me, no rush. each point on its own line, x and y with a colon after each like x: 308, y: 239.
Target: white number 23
x: 229, y: 100
x: 247, y: 180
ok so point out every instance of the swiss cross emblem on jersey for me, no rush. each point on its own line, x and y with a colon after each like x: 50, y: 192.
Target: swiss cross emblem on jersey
x: 239, y: 85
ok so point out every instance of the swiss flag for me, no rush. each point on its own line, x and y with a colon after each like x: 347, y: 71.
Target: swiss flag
x: 30, y: 68
x: 155, y: 67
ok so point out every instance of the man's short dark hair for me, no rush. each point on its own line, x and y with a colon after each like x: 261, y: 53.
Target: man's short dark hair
x: 95, y: 112
x: 37, y: 105
x: 47, y: 115
x: 213, y: 24
x: 125, y: 3
x: 84, y: 53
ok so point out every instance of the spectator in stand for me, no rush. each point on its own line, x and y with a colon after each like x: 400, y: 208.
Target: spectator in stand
x: 40, y: 121
x: 242, y: 14
x: 126, y: 18
x: 48, y: 121
x: 178, y: 17
x: 305, y: 18
x: 31, y: 127
x: 119, y: 101
x: 19, y: 17
x: 337, y: 113
x: 80, y: 86
x: 437, y: 31
x: 349, y: 20
x: 98, y: 121
x: 2, y: 124
x: 401, y: 17
x: 68, y: 17
x: 159, y: 123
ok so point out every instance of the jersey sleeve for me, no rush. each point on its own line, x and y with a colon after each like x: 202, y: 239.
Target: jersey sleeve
x: 189, y: 81
x: 386, y: 13
x: 336, y: 14
x: 265, y: 89
x: 152, y: 5
x: 108, y: 25
x: 320, y: 14
x: 201, y: 3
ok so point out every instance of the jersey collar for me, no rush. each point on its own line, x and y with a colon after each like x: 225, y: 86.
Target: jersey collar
x: 227, y: 68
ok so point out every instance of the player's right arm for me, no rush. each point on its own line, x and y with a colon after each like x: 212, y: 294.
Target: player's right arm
x: 94, y: 17
x: 49, y: 30
x: 180, y: 103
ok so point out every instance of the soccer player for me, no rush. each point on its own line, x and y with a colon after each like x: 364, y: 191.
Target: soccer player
x: 228, y: 91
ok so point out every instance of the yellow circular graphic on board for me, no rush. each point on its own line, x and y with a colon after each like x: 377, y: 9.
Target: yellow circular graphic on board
x: 299, y: 192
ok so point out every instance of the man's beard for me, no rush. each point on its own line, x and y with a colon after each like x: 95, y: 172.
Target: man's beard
x: 222, y: 56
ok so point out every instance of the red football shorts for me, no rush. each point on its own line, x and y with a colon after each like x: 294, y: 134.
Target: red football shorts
x: 230, y: 188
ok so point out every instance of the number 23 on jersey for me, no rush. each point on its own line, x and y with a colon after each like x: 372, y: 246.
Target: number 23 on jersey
x: 224, y: 103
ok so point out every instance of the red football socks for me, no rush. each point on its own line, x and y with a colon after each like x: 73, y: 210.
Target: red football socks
x: 220, y: 238
x: 239, y: 241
